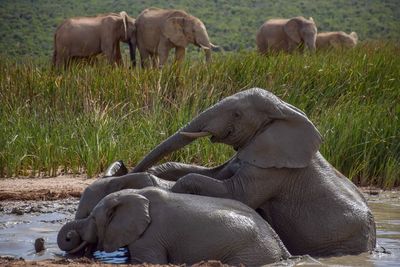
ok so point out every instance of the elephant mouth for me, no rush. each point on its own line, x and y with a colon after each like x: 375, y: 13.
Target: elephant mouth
x: 220, y: 139
x: 79, y: 248
x: 214, y: 138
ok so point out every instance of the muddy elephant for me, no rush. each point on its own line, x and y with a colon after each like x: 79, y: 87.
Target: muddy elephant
x: 160, y: 30
x: 336, y: 40
x: 161, y: 227
x: 277, y: 170
x: 85, y: 37
x: 286, y: 35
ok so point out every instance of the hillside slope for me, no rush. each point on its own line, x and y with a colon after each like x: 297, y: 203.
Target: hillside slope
x: 26, y: 27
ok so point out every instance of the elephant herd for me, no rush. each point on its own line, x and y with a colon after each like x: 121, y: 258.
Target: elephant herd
x: 156, y: 31
x: 276, y: 197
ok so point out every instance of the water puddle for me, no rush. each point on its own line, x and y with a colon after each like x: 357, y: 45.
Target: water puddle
x: 22, y: 222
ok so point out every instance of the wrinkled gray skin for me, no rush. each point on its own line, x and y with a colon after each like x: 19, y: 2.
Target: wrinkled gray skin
x: 277, y: 170
x: 160, y: 30
x: 102, y: 187
x: 286, y: 35
x: 85, y: 37
x: 161, y: 227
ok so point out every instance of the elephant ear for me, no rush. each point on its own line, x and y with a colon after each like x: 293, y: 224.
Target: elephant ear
x: 289, y: 140
x: 173, y: 31
x: 354, y: 35
x: 121, y: 218
x: 292, y: 29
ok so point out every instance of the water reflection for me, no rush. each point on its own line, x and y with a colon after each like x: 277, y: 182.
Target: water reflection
x: 44, y: 219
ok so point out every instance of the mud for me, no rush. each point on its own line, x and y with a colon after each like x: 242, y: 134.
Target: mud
x: 6, y: 261
x: 52, y: 188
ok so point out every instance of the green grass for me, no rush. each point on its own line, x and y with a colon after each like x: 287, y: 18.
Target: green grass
x: 83, y: 119
x: 27, y: 27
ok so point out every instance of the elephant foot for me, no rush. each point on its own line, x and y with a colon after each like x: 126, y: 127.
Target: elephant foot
x: 117, y: 168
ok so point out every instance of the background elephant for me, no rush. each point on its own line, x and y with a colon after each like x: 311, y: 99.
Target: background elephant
x: 184, y: 229
x: 336, y: 40
x: 286, y: 34
x: 277, y: 170
x: 84, y: 37
x: 159, y: 30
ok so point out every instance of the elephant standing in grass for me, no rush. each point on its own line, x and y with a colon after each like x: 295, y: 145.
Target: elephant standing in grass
x: 161, y: 227
x: 160, y: 30
x: 286, y: 35
x: 277, y: 170
x: 85, y: 37
x: 336, y: 40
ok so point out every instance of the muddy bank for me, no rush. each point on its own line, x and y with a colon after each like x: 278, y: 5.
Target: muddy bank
x: 52, y: 188
x: 65, y: 186
x: 7, y: 261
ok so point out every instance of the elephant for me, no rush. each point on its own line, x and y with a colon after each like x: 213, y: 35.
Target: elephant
x: 160, y: 30
x: 286, y: 35
x: 86, y: 37
x: 336, y: 40
x: 161, y: 227
x: 276, y: 170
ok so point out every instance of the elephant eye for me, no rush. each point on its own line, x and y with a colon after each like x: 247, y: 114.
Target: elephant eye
x: 236, y: 114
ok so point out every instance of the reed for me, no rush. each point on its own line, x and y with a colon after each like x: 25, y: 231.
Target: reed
x: 82, y: 119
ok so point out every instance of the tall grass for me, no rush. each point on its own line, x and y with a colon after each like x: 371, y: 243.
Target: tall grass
x: 82, y: 119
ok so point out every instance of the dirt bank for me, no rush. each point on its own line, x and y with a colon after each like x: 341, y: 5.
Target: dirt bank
x: 43, y: 188
x: 60, y: 187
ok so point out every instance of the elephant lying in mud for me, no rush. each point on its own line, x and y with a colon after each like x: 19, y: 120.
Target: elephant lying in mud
x: 161, y: 227
x: 277, y: 170
x: 84, y: 37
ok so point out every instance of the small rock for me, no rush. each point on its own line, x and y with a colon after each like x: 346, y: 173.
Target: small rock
x: 39, y: 245
x: 17, y: 211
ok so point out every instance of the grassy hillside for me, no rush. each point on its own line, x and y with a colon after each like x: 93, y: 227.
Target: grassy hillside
x: 26, y: 27
x: 85, y: 118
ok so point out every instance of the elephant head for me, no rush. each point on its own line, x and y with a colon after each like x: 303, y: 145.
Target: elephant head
x: 128, y: 35
x: 266, y: 131
x: 349, y: 40
x: 184, y: 30
x: 116, y: 221
x: 300, y: 30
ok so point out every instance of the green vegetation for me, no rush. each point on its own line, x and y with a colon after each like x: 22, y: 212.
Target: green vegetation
x: 27, y: 27
x: 83, y: 119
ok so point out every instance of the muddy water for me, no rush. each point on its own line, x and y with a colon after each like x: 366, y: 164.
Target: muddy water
x: 22, y: 222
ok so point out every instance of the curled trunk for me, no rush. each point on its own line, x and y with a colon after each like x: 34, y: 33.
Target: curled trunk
x: 69, y: 239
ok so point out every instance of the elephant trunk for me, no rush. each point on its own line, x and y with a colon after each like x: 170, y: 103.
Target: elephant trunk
x: 208, y: 55
x: 132, y: 52
x: 173, y: 143
x: 69, y: 239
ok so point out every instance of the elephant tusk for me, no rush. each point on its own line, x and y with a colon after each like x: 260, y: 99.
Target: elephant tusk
x: 195, y: 135
x: 204, y: 47
x: 78, y: 248
x: 214, y: 46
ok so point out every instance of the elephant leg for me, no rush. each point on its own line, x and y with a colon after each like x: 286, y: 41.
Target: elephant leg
x: 117, y: 54
x: 154, y: 60
x: 109, y: 52
x: 198, y: 184
x: 180, y: 54
x: 163, y: 52
x: 144, y: 58
x: 172, y: 171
